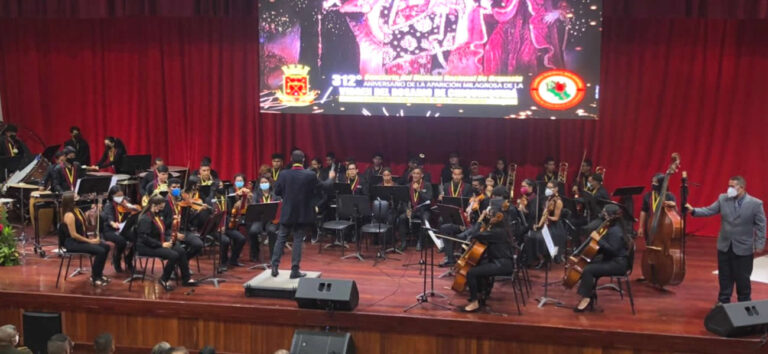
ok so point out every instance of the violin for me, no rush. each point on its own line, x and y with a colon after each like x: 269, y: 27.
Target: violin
x: 187, y: 201
x: 238, y: 209
x: 125, y: 207
x: 175, y: 226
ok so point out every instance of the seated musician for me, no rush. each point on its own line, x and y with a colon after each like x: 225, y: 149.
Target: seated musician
x: 150, y: 176
x: 330, y: 165
x: 154, y: 240
x: 265, y: 194
x: 172, y: 210
x: 206, y: 161
x: 228, y: 237
x: 499, y: 175
x: 497, y: 258
x: 357, y: 184
x: 50, y: 174
x: 580, y: 181
x: 650, y: 204
x: 551, y: 218
x: 528, y: 207
x: 490, y: 183
x: 116, y: 211
x: 278, y: 164
x: 453, y: 162
x: 198, y: 206
x: 456, y: 187
x: 386, y: 177
x: 420, y: 192
x: 376, y: 166
x: 76, y: 240
x: 114, y: 151
x: 458, y: 231
x: 614, y: 248
x: 68, y: 173
x: 316, y: 166
x: 162, y: 179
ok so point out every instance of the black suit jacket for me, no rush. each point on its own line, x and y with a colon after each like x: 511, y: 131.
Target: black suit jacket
x: 20, y: 147
x: 297, y: 189
x: 60, y: 183
x: 82, y: 150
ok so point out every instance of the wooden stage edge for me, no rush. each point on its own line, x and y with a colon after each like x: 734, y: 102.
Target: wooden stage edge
x: 666, y: 322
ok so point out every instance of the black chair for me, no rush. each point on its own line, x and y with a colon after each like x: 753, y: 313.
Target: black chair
x: 616, y: 281
x: 378, y: 226
x: 344, y: 220
x: 64, y: 254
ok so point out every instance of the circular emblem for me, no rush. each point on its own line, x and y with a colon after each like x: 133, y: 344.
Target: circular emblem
x: 558, y: 89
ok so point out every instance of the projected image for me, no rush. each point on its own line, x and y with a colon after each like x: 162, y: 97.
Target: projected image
x: 431, y: 58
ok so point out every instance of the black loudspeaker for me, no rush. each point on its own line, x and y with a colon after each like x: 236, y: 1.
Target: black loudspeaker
x: 327, y: 294
x: 738, y: 319
x: 310, y: 342
x: 38, y: 328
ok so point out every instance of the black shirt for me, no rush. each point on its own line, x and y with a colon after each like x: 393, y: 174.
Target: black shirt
x: 65, y: 178
x: 463, y: 189
x: 613, y: 244
x: 647, y: 201
x: 447, y: 173
x: 497, y: 242
x: 82, y: 150
x: 149, y: 231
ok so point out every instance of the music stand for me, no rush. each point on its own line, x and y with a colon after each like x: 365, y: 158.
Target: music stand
x: 50, y: 151
x: 459, y: 202
x: 341, y: 188
x: 264, y: 213
x: 133, y: 164
x: 375, y: 180
x: 209, y: 228
x: 626, y: 199
x: 423, y: 298
x: 395, y: 195
x: 357, y: 206
x: 97, y: 185
x: 9, y: 165
x: 451, y: 214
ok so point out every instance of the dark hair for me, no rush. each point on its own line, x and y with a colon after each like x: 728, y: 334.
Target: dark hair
x: 418, y: 168
x: 156, y: 200
x: 479, y: 179
x: 112, y: 191
x: 503, y: 160
x: 208, y: 350
x: 453, y: 154
x: 499, y: 191
x: 457, y: 168
x: 318, y: 160
x: 69, y: 150
x: 241, y: 175
x: 67, y: 202
x: 206, y: 160
x: 58, y: 154
x: 57, y: 347
x: 386, y: 169
x: 159, y: 159
x: 740, y: 180
x: 597, y: 177
x: 175, y: 180
x: 11, y: 128
x: 205, y: 163
x: 377, y: 154
x: 162, y: 169
x: 529, y: 183
x: 588, y: 162
x: 103, y: 343
x: 297, y: 156
x: 331, y: 155
x: 74, y: 128
x: 549, y: 159
x: 118, y: 143
x: 278, y: 155
x: 351, y: 163
x: 658, y: 177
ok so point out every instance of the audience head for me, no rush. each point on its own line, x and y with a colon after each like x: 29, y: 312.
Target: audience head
x: 60, y: 344
x: 104, y: 344
x: 9, y: 336
x: 177, y: 350
x: 297, y: 157
x: 160, y: 348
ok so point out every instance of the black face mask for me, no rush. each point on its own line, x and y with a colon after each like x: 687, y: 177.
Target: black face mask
x: 656, y: 187
x: 70, y: 160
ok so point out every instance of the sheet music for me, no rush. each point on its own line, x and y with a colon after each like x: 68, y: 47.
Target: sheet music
x: 122, y: 225
x: 77, y: 187
x: 548, y: 240
x: 438, y: 241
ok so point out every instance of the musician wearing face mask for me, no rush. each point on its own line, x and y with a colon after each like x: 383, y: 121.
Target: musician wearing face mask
x: 154, y: 240
x: 68, y: 172
x: 50, y: 174
x: 497, y: 258
x: 82, y: 149
x: 651, y: 202
x: 112, y: 158
x: 114, y: 213
x: 614, y: 251
x: 420, y: 192
x: 192, y: 243
x: 550, y: 218
x: 229, y: 238
x: 742, y: 234
x: 10, y: 144
x: 258, y: 228
x: 598, y: 192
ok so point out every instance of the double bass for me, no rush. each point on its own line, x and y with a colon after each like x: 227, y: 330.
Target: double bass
x: 664, y: 260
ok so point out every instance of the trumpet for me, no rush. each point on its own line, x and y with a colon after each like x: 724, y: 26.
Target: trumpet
x: 562, y: 173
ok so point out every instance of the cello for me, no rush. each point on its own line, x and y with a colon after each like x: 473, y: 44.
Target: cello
x: 474, y: 252
x: 584, y: 255
x: 664, y: 260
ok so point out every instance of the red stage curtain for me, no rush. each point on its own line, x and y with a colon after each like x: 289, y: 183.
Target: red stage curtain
x: 182, y: 88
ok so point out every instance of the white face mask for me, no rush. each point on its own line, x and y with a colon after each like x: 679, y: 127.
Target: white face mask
x: 732, y: 192
x: 118, y: 200
x: 548, y: 192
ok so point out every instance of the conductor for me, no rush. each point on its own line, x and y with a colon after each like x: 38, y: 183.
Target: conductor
x: 297, y: 188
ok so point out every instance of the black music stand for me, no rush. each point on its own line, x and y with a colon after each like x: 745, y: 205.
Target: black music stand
x: 357, y: 206
x: 451, y: 214
x: 134, y: 164
x: 423, y: 298
x: 375, y: 180
x: 341, y: 188
x: 9, y: 165
x: 50, y: 151
x: 459, y: 202
x: 264, y: 213
x: 395, y: 195
x: 209, y: 228
x: 96, y: 185
x: 626, y: 198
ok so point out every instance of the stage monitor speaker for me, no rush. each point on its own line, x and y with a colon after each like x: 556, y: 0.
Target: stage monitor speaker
x: 39, y: 327
x: 311, y: 342
x: 738, y: 319
x: 327, y: 294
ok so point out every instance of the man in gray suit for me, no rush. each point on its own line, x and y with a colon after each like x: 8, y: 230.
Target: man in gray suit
x: 742, y: 233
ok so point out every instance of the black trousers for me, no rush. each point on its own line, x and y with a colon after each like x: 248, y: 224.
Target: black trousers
x: 478, y: 277
x: 120, y: 244
x: 402, y: 225
x: 593, y: 271
x: 298, y: 231
x: 174, y: 256
x: 455, y: 231
x: 98, y: 251
x: 732, y: 268
x: 193, y: 245
x: 256, y: 229
x: 233, y: 239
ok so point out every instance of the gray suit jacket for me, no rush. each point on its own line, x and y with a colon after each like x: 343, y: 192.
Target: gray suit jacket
x: 744, y: 229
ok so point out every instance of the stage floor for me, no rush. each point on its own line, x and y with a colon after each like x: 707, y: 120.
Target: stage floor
x: 670, y: 320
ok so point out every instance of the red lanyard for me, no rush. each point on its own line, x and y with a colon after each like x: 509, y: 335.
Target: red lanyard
x: 70, y: 173
x: 160, y: 225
